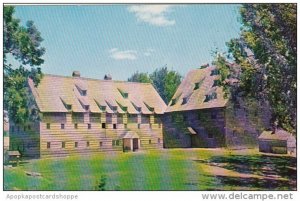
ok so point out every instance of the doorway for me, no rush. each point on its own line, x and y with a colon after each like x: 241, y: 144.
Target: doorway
x: 135, y: 143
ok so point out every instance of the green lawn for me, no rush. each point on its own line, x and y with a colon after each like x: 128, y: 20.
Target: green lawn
x: 169, y: 169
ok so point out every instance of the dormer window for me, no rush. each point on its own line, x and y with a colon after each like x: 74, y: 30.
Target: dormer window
x: 114, y: 108
x: 103, y: 108
x: 214, y: 72
x: 124, y: 108
x: 137, y: 108
x: 216, y: 83
x: 81, y: 89
x: 124, y: 94
x: 83, y: 93
x: 174, y: 100
x: 86, y: 107
x: 197, y: 86
x: 151, y: 109
x: 211, y: 96
x: 185, y: 100
x: 69, y: 107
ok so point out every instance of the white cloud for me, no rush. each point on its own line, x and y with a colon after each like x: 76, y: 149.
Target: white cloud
x: 152, y: 14
x: 123, y: 55
x: 149, y: 52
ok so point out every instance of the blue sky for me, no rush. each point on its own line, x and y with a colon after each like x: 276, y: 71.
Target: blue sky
x: 123, y: 39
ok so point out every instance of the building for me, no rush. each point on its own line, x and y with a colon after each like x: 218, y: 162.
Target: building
x: 278, y: 142
x: 81, y: 115
x: 199, y: 115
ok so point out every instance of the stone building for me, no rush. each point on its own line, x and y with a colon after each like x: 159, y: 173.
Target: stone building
x: 199, y: 115
x: 82, y: 115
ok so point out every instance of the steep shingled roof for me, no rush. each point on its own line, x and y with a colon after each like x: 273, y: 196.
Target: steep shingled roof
x: 278, y: 135
x: 197, y: 91
x: 55, y: 92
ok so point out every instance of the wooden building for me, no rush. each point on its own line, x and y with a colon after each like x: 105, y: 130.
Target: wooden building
x: 199, y: 115
x: 277, y: 142
x: 81, y: 115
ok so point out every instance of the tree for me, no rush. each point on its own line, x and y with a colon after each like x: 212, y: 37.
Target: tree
x: 266, y: 53
x: 23, y: 44
x: 165, y: 82
x: 140, y: 77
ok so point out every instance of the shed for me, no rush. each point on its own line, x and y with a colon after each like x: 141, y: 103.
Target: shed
x: 12, y: 156
x: 278, y: 142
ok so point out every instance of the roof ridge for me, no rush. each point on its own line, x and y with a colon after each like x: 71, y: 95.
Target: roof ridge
x: 94, y: 79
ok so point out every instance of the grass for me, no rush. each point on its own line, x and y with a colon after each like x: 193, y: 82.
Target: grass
x: 170, y: 169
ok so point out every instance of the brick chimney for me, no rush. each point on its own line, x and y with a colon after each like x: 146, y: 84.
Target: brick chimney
x: 107, y: 77
x: 76, y: 74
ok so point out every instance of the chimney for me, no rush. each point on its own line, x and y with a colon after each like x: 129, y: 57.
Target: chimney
x: 107, y: 77
x: 76, y: 74
x: 274, y: 127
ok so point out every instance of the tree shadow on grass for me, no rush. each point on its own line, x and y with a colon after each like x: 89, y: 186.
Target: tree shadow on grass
x: 270, y: 167
x: 238, y: 183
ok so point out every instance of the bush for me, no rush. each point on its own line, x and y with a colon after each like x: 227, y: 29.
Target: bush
x: 102, y: 183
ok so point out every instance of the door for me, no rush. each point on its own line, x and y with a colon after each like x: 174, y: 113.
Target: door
x: 135, y: 143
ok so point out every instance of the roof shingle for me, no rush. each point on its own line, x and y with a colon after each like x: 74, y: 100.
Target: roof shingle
x: 54, y: 92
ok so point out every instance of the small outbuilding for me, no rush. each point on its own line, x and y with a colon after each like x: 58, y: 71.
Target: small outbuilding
x: 277, y: 142
x: 12, y: 156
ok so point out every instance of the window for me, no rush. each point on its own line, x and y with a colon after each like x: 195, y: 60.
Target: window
x: 86, y: 107
x: 48, y: 145
x: 29, y: 127
x: 216, y: 83
x: 76, y: 126
x: 139, y: 126
x: 158, y: 140
x: 113, y: 142
x: 69, y: 107
x: 114, y: 126
x: 87, y: 144
x: 63, y: 145
x: 185, y: 118
x: 48, y: 125
x: 185, y: 100
x: 211, y: 96
x: 197, y: 86
x: 100, y: 144
x: 210, y: 135
x: 89, y: 126
x: 173, y: 101
x: 234, y: 133
x: 125, y: 125
x: 213, y: 115
x: 76, y: 144
x: 62, y: 126
x: 214, y: 72
x: 117, y: 142
x: 149, y: 141
x: 83, y: 92
x: 103, y: 125
x: 103, y: 108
